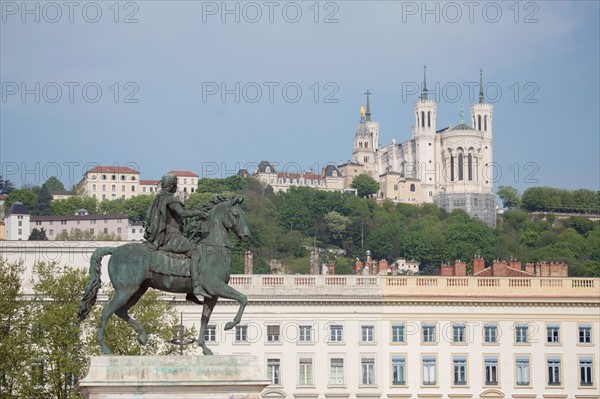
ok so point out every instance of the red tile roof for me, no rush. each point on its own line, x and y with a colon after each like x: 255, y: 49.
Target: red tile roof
x: 113, y: 169
x: 149, y: 182
x: 510, y: 272
x: 182, y: 173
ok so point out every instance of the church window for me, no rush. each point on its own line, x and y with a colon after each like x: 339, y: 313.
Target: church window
x: 470, y: 167
x: 422, y: 118
x: 412, y: 187
x: 366, y: 159
x: 485, y: 123
x: 460, y: 166
x: 366, y: 144
x: 478, y: 122
x: 360, y: 144
x: 429, y: 119
x: 451, y: 168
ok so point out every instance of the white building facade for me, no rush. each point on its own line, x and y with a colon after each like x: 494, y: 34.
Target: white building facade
x: 453, y: 164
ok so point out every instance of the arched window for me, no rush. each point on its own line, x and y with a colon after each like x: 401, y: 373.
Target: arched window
x: 412, y: 187
x: 478, y: 122
x: 360, y: 144
x: 422, y: 118
x: 366, y: 144
x: 470, y: 167
x: 460, y: 166
x: 429, y: 119
x: 451, y: 167
x: 485, y: 123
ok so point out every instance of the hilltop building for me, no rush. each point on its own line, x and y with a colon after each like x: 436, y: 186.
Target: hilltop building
x: 329, y: 179
x: 450, y: 166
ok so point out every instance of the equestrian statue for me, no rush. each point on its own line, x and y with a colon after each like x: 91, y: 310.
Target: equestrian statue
x: 170, y: 262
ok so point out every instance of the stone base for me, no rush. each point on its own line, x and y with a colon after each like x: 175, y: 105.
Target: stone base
x: 173, y: 377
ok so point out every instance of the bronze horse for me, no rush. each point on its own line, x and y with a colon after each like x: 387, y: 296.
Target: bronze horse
x: 133, y: 268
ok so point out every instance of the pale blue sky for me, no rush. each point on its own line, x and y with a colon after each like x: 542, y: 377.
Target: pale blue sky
x: 177, y: 49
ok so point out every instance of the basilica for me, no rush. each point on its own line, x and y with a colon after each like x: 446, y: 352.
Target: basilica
x: 451, y: 166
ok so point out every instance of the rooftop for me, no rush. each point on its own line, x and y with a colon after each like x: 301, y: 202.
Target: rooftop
x: 182, y: 173
x: 113, y: 169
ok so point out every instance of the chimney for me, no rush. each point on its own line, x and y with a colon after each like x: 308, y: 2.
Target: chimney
x: 314, y: 261
x: 514, y: 264
x: 383, y: 267
x: 499, y: 269
x: 446, y: 270
x: 248, y: 262
x: 331, y: 267
x: 460, y: 268
x: 529, y: 269
x: 357, y: 266
x: 478, y: 265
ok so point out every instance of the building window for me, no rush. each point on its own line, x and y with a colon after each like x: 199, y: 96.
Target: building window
x: 366, y: 334
x: 106, y: 230
x: 92, y: 231
x: 523, y: 370
x: 470, y: 167
x: 273, y: 333
x: 305, y: 333
x: 336, y: 371
x: 429, y: 374
x: 274, y: 371
x: 585, y: 333
x: 412, y: 188
x: 123, y: 177
x: 521, y: 331
x: 553, y: 364
x: 451, y: 168
x: 118, y: 230
x: 93, y: 221
x: 367, y: 365
x: 113, y: 177
x: 114, y: 187
x: 122, y: 187
x: 305, y: 376
x: 490, y: 331
x: 51, y: 232
x: 460, y: 166
x: 336, y: 333
x: 20, y: 231
x: 552, y: 333
x: 491, y: 369
x: 585, y: 371
x: 132, y: 231
x: 398, y: 370
x: 458, y: 332
x: 210, y: 333
x: 398, y: 332
x: 103, y: 177
x: 460, y: 369
x: 241, y: 333
x: 429, y: 332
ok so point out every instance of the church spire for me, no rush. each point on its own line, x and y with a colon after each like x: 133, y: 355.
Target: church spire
x: 424, y: 93
x: 368, y: 113
x: 481, y: 86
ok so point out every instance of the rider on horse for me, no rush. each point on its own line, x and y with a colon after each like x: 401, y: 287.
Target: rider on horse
x: 163, y: 229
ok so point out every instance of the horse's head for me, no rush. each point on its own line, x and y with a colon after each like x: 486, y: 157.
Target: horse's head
x: 231, y: 215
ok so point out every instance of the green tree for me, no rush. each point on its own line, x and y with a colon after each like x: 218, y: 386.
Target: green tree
x: 54, y: 184
x: 38, y: 235
x: 6, y: 186
x: 24, y: 195
x: 58, y: 353
x: 44, y: 200
x: 509, y: 196
x: 68, y: 206
x: 365, y: 185
x: 337, y: 225
x: 15, y: 348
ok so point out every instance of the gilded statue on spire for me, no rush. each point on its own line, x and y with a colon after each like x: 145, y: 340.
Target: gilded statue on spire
x: 362, y: 111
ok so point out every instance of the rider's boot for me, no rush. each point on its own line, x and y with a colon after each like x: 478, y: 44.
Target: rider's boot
x: 195, y: 274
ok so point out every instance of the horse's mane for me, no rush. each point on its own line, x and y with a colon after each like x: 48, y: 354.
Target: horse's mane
x: 199, y: 229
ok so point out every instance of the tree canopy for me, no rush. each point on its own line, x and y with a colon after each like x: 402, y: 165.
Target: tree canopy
x: 365, y: 185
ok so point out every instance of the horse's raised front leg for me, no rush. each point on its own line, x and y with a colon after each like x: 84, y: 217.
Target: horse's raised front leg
x: 122, y: 313
x: 207, y: 308
x: 221, y: 289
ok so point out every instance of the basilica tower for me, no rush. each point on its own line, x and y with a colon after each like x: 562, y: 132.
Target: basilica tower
x: 481, y: 115
x: 366, y: 141
x: 423, y: 132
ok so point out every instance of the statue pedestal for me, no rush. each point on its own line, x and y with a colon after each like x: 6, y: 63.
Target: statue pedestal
x: 173, y: 377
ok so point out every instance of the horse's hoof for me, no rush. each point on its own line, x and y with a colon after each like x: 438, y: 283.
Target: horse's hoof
x: 230, y: 325
x: 143, y: 338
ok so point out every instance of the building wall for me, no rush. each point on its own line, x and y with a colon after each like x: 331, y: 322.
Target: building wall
x: 16, y: 227
x: 98, y: 226
x: 110, y: 185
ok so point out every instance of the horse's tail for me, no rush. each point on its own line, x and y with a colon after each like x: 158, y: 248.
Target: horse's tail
x: 92, y: 286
